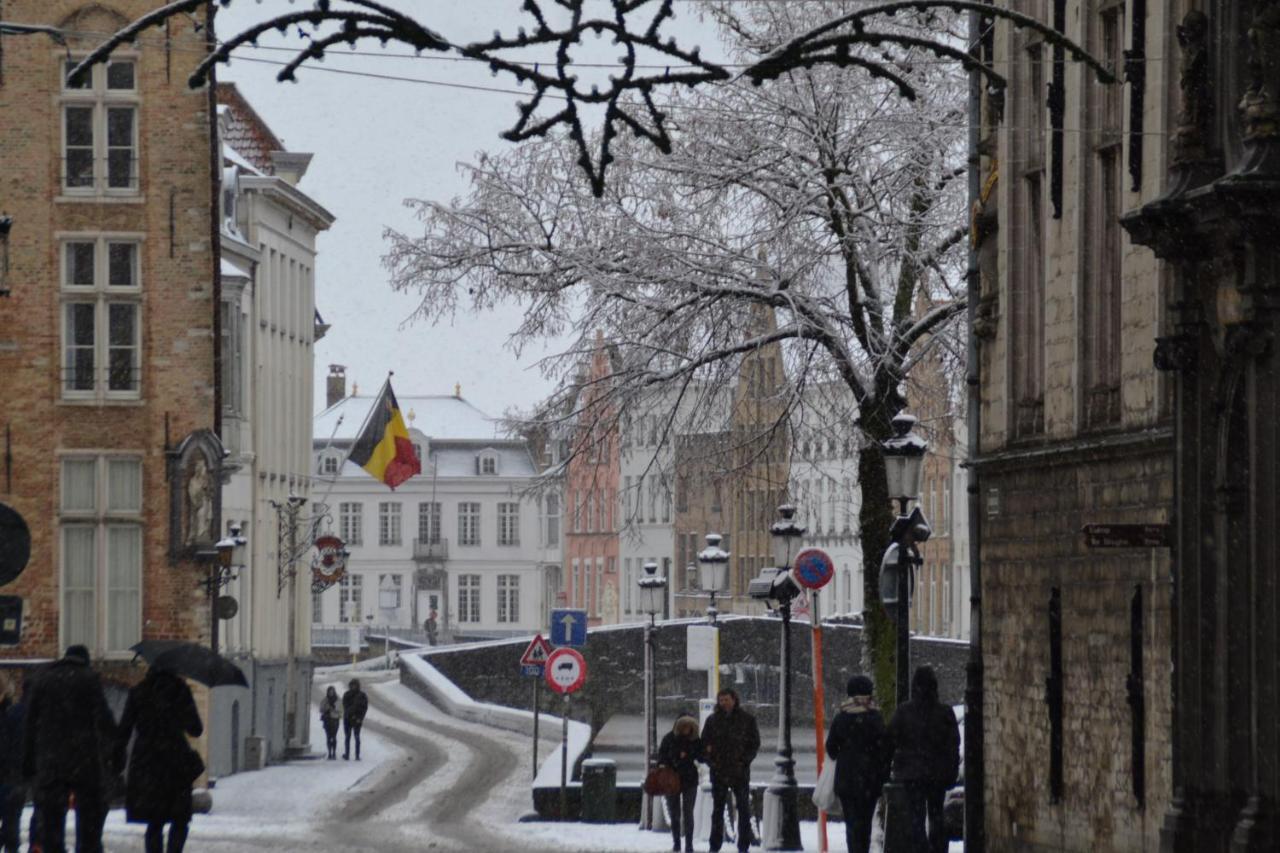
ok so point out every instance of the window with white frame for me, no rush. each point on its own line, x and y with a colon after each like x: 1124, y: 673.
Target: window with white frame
x: 232, y: 334
x: 508, y: 598
x: 100, y: 129
x: 488, y: 464
x: 101, y: 308
x: 100, y: 524
x: 389, y: 523
x: 552, y: 505
x: 575, y: 584
x: 389, y: 587
x: 351, y: 598
x: 468, y: 598
x: 429, y: 523
x: 626, y: 500
x: 590, y: 501
x: 351, y: 522
x: 469, y: 523
x: 508, y: 523
x: 329, y: 465
x: 317, y: 607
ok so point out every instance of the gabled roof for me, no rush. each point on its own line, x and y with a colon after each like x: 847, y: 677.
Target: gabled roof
x: 445, y: 416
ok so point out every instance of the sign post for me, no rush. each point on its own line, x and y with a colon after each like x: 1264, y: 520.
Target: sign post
x: 566, y: 672
x: 533, y: 663
x: 813, y: 569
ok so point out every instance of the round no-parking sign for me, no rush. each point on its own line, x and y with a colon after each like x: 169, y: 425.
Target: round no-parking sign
x: 566, y: 670
x: 813, y: 568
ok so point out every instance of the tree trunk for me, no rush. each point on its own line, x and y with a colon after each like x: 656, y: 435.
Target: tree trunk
x: 875, y: 517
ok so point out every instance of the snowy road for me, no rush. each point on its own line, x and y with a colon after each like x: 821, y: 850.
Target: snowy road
x: 428, y: 782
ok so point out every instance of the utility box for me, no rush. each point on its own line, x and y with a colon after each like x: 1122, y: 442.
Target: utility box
x: 255, y: 752
x: 599, y: 790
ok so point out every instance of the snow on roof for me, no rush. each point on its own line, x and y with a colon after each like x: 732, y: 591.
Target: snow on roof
x: 236, y: 158
x: 437, y: 417
x: 513, y: 460
x: 230, y: 270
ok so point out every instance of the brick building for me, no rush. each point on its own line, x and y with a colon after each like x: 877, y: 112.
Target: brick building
x: 1075, y: 428
x: 108, y: 333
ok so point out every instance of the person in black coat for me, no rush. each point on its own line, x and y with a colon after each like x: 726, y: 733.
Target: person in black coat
x: 730, y: 741
x: 355, y: 704
x: 162, y: 764
x: 926, y: 758
x: 330, y: 718
x: 859, y: 744
x: 13, y: 793
x: 680, y: 749
x: 66, y: 745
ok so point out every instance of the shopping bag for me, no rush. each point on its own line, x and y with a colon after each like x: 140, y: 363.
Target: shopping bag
x: 662, y: 782
x: 824, y: 792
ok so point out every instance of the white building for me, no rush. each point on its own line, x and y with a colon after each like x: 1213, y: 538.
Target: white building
x: 466, y: 537
x: 824, y: 487
x: 269, y: 326
x: 645, y: 496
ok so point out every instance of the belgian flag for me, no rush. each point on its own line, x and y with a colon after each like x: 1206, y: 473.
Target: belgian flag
x: 383, y: 448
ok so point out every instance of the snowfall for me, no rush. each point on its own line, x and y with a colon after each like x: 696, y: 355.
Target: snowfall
x: 381, y: 804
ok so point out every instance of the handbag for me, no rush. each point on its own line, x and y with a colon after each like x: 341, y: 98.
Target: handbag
x: 824, y: 791
x: 190, y: 764
x: 662, y: 782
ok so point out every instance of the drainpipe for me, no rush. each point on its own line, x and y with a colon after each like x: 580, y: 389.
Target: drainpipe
x: 975, y: 840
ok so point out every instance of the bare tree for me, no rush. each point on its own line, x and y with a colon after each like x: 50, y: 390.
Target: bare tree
x: 822, y: 198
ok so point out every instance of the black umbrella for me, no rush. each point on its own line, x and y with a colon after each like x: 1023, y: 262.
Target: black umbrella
x: 199, y: 663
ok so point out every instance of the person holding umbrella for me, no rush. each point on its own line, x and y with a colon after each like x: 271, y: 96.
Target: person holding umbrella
x: 162, y: 764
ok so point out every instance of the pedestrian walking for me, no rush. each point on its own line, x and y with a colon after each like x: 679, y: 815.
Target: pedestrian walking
x: 330, y: 717
x: 13, y: 793
x: 680, y: 749
x: 858, y: 743
x: 730, y: 741
x: 431, y: 626
x: 926, y: 758
x: 355, y: 704
x: 161, y: 712
x: 66, y: 747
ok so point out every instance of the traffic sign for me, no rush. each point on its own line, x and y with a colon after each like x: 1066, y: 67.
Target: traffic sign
x: 568, y: 627
x: 534, y: 670
x: 813, y: 568
x: 566, y: 670
x: 1126, y: 535
x: 537, y: 652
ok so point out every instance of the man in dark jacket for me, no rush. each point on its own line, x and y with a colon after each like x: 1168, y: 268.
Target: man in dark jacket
x: 13, y: 793
x: 355, y: 704
x: 859, y: 744
x: 730, y: 741
x: 926, y: 758
x: 67, y: 740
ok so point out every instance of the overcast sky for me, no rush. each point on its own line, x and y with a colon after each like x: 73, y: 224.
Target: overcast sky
x: 377, y: 142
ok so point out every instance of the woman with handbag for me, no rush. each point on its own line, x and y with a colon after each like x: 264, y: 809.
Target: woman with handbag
x: 859, y: 744
x: 679, y: 750
x: 162, y: 764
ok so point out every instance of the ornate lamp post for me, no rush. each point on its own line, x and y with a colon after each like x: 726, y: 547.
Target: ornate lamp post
x: 904, y: 465
x: 231, y: 558
x: 781, y: 824
x: 713, y: 572
x: 653, y: 594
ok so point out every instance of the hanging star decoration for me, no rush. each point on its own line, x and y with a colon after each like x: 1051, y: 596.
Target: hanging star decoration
x: 627, y: 100
x: 643, y: 118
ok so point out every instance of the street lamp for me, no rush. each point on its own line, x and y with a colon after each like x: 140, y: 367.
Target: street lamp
x: 653, y: 593
x: 230, y: 559
x: 903, y: 465
x: 713, y: 571
x: 781, y: 819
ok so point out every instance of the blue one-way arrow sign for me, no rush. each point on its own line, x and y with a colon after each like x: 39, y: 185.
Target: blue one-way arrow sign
x: 568, y: 627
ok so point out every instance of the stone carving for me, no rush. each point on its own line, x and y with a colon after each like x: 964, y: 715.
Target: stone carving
x: 1190, y: 138
x: 199, y: 503
x: 1259, y: 110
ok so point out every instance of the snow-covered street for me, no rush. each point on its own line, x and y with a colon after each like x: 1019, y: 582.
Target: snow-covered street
x: 426, y: 782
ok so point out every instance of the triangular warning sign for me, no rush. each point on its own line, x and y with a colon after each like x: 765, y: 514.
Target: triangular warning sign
x: 537, y: 652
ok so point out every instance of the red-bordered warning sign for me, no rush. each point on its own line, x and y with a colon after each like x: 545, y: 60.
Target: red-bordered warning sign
x: 566, y: 670
x: 537, y: 652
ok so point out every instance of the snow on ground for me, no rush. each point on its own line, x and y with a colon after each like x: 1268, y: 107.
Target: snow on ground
x: 283, y: 807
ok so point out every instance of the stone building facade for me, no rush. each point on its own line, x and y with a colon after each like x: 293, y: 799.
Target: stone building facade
x: 1216, y: 225
x: 1075, y: 429
x: 108, y: 332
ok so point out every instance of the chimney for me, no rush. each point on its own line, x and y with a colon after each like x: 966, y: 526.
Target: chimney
x: 457, y: 390
x: 336, y: 389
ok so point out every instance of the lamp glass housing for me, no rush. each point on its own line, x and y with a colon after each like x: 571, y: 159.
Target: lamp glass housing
x: 652, y: 590
x: 713, y: 565
x: 904, y: 458
x: 784, y: 536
